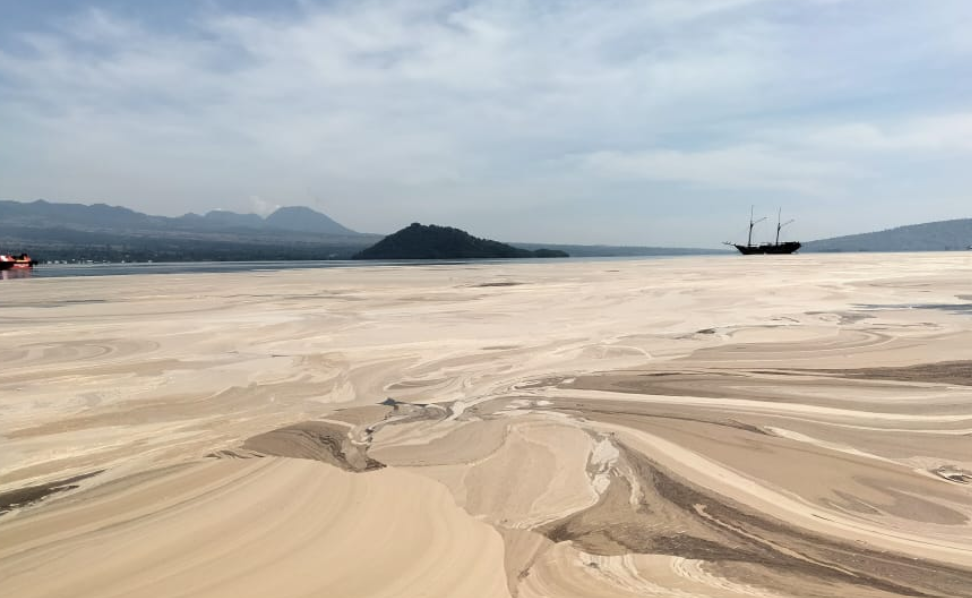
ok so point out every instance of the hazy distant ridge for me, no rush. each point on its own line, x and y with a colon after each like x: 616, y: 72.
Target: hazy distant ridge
x: 62, y: 231
x: 101, y: 217
x: 947, y: 235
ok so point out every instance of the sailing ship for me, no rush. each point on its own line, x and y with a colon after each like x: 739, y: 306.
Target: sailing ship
x: 767, y: 248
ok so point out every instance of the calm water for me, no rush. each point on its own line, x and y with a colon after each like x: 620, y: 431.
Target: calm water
x: 63, y: 270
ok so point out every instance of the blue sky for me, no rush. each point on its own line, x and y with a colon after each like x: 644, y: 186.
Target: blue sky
x: 654, y: 122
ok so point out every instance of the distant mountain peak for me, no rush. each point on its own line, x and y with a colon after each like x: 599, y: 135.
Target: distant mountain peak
x: 304, y: 219
x: 297, y: 210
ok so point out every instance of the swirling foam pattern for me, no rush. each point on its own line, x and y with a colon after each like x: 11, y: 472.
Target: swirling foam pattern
x: 780, y: 427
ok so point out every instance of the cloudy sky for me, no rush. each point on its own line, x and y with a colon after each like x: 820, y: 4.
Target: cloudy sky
x: 655, y: 122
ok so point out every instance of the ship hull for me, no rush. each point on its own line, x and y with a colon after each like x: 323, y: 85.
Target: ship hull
x: 769, y: 248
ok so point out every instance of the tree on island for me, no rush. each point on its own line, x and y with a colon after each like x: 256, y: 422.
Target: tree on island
x: 432, y: 242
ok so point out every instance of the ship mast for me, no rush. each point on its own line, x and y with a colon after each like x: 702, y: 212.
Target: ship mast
x: 753, y: 223
x: 780, y: 224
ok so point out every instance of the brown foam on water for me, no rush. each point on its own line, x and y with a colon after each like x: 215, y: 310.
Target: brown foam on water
x: 666, y: 516
x: 944, y: 372
x: 321, y: 441
x: 255, y: 527
x: 677, y: 428
x: 23, y: 497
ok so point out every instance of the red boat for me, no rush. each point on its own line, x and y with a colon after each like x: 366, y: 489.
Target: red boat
x: 18, y: 262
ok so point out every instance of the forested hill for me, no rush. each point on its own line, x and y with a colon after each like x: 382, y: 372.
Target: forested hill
x: 422, y: 242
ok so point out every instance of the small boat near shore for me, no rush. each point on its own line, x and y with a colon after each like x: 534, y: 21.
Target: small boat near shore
x: 16, y: 262
x: 776, y: 248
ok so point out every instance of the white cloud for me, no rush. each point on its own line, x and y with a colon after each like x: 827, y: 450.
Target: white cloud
x: 737, y: 167
x: 416, y: 95
x: 388, y: 108
x: 261, y: 206
x: 944, y: 133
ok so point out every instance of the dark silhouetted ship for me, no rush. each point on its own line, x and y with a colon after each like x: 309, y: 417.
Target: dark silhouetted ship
x: 767, y: 248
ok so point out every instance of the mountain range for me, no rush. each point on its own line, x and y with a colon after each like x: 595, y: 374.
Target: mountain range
x: 67, y: 231
x: 99, y: 232
x: 71, y: 232
x: 101, y: 217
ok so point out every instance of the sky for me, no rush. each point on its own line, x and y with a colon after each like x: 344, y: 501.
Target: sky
x: 652, y: 122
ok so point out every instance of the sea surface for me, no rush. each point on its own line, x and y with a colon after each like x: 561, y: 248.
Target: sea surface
x: 65, y: 270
